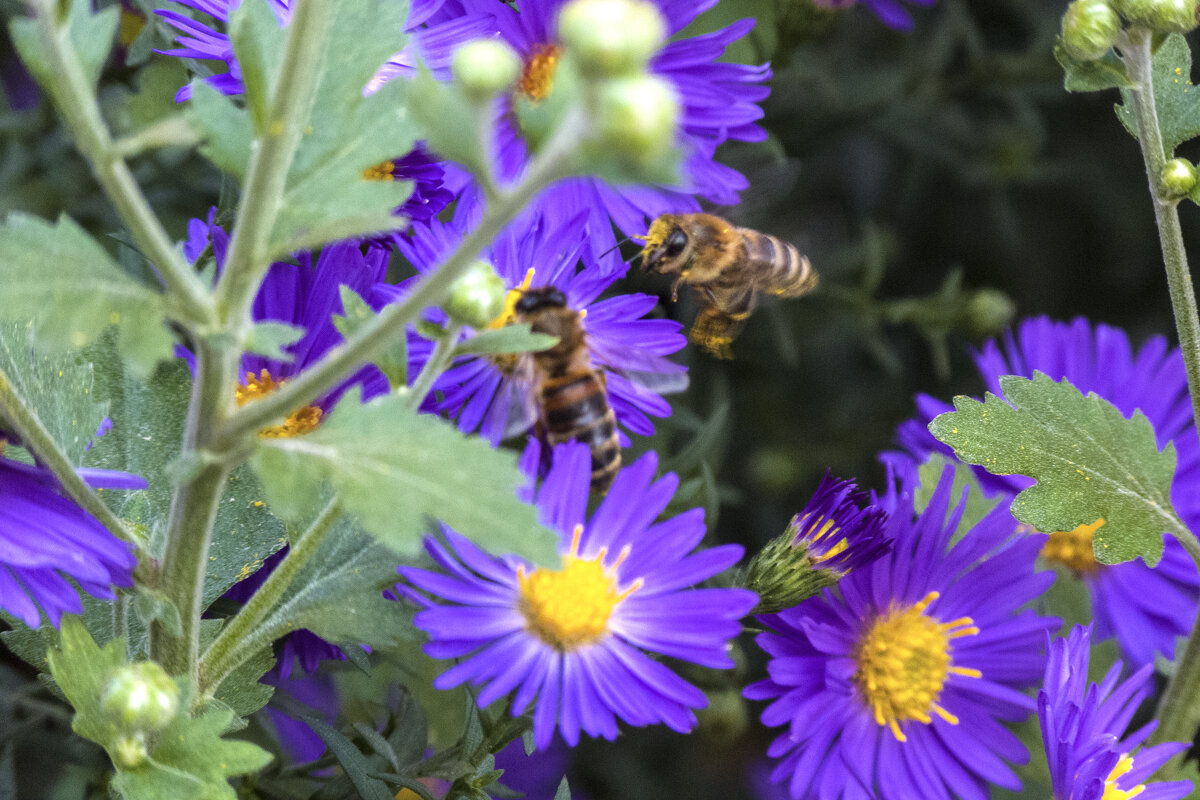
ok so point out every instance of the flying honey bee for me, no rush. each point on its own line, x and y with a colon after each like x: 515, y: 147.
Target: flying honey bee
x: 728, y: 267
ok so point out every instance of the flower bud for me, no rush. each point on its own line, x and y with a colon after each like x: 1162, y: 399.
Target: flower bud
x: 129, y: 752
x: 485, y: 67
x: 1160, y: 16
x: 988, y: 312
x: 636, y: 119
x: 1089, y: 29
x: 477, y: 297
x: 611, y: 38
x: 1178, y: 177
x: 140, y: 698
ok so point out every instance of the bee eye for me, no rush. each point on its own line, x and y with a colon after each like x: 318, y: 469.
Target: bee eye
x: 675, y: 243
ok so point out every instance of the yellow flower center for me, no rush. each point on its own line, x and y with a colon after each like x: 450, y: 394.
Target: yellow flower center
x: 509, y: 315
x: 537, y: 78
x: 1073, y: 549
x: 1111, y: 792
x: 570, y: 607
x: 300, y: 421
x: 383, y: 171
x: 903, y: 662
x: 827, y: 534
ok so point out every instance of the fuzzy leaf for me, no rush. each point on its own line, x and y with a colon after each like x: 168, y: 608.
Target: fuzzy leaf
x: 269, y: 338
x: 241, y: 691
x: 91, y: 34
x: 1175, y: 98
x: 70, y: 287
x: 1089, y: 462
x: 257, y: 41
x: 392, y: 469
x: 509, y: 339
x: 1090, y: 76
x: 80, y: 667
x: 228, y: 134
x: 352, y: 760
x: 391, y: 360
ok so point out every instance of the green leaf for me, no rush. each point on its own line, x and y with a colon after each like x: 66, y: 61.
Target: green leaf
x: 258, y: 42
x: 509, y: 339
x: 80, y: 667
x: 977, y: 507
x: 1089, y: 462
x: 70, y: 287
x: 226, y: 129
x: 91, y: 36
x: 327, y: 196
x: 148, y: 418
x: 392, y: 360
x: 1175, y: 98
x: 269, y: 338
x: 1090, y: 76
x: 393, y: 468
x: 338, y: 595
x: 151, y: 604
x: 352, y: 761
x: 241, y: 691
x: 448, y: 118
x: 58, y: 387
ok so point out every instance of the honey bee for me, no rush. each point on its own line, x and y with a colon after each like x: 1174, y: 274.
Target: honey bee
x: 728, y: 267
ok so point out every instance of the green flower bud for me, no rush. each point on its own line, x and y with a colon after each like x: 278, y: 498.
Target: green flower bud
x: 485, y: 67
x: 988, y: 312
x: 1089, y: 29
x: 784, y: 575
x: 636, y: 119
x: 140, y: 698
x: 129, y: 752
x: 1160, y: 16
x: 1178, y: 177
x: 611, y: 38
x: 477, y: 298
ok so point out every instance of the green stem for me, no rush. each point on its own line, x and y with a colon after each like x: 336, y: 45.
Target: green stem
x: 22, y: 421
x: 120, y: 613
x: 247, y: 261
x: 1179, y: 708
x: 439, y: 359
x: 243, y: 635
x: 555, y: 162
x: 75, y: 97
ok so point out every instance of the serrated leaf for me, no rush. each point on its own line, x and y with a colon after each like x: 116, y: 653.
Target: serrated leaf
x: 58, y: 387
x: 148, y: 418
x: 225, y: 128
x: 63, y: 280
x: 393, y: 469
x: 1089, y: 462
x: 352, y: 761
x: 1090, y: 76
x: 1176, y: 100
x: 80, y: 667
x: 338, y: 595
x: 241, y: 690
x: 327, y: 196
x: 392, y: 360
x: 269, y: 338
x: 91, y: 34
x: 509, y: 339
x: 258, y: 42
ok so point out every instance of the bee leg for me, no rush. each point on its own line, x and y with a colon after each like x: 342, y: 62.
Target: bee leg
x: 675, y: 288
x: 714, y: 330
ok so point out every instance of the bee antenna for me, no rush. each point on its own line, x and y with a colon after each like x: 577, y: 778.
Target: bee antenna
x: 618, y: 244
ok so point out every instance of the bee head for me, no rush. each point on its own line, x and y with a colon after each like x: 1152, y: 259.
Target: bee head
x: 666, y: 249
x: 536, y: 299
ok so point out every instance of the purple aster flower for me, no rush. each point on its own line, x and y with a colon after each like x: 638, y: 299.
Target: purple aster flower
x: 46, y: 539
x: 485, y: 393
x: 1144, y: 608
x: 719, y: 102
x: 1083, y: 725
x: 895, y: 684
x: 575, y: 643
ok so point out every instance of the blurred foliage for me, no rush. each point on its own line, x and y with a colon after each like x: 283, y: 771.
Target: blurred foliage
x: 938, y: 180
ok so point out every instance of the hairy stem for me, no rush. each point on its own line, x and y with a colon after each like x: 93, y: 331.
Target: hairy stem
x: 555, y: 162
x: 243, y: 635
x: 75, y: 97
x: 439, y: 359
x: 1179, y: 709
x: 22, y: 421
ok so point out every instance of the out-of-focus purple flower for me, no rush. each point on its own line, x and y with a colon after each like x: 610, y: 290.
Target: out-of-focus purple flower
x: 46, y: 539
x: 1084, y: 724
x: 897, y: 683
x: 1144, y: 608
x: 891, y: 12
x: 576, y: 643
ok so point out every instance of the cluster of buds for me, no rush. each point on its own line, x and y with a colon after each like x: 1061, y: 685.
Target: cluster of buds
x: 139, y: 700
x: 1090, y: 28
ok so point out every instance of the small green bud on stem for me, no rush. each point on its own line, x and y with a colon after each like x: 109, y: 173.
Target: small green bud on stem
x: 485, y: 67
x: 611, y: 38
x: 140, y: 698
x: 1160, y: 16
x: 636, y: 119
x: 1178, y: 177
x: 130, y: 752
x: 477, y: 297
x: 988, y: 312
x: 1090, y: 29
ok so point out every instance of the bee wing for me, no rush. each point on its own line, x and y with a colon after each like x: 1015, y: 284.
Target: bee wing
x: 655, y: 373
x: 524, y: 411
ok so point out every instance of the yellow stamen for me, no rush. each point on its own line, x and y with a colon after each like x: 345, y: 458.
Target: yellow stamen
x: 904, y: 659
x: 537, y: 78
x: 383, y: 171
x: 298, y: 422
x: 509, y: 315
x: 1073, y: 549
x: 1111, y: 792
x: 570, y: 607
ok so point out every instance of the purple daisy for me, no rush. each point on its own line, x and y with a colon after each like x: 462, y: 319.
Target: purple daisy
x: 1083, y: 725
x: 575, y: 643
x: 719, y: 103
x: 46, y: 539
x: 484, y: 393
x: 1144, y: 608
x: 895, y: 684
